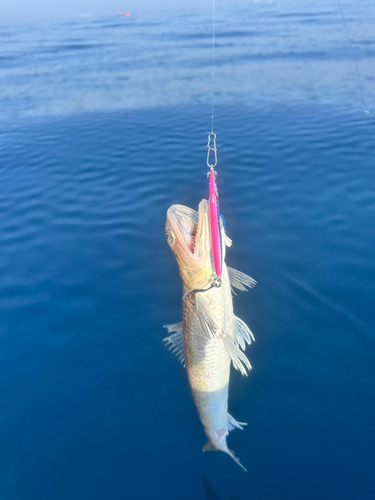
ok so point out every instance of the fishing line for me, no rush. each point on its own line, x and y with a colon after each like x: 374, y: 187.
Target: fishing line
x: 213, y: 66
x: 212, y: 135
x: 215, y: 227
x: 354, y: 58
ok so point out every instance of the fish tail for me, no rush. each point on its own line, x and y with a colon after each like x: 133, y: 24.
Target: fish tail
x: 235, y: 458
x: 211, y: 447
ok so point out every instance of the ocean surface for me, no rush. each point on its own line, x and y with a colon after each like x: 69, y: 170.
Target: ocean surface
x: 103, y: 126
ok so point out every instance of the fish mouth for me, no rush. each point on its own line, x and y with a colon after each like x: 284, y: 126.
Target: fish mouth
x: 188, y: 225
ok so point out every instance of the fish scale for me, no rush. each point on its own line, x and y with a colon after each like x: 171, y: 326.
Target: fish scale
x: 207, y: 361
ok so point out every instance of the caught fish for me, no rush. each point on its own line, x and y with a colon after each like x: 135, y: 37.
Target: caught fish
x: 210, y: 337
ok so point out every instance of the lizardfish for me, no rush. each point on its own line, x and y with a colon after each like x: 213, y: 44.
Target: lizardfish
x: 210, y: 336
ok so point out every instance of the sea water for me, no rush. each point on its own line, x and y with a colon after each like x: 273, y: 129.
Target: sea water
x: 103, y: 127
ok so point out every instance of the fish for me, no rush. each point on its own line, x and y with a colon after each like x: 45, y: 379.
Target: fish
x: 210, y: 337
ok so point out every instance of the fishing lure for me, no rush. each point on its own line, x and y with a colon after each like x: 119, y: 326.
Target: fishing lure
x: 214, y: 209
x: 215, y: 224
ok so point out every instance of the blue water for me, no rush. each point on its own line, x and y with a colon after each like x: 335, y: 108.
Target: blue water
x: 104, y: 122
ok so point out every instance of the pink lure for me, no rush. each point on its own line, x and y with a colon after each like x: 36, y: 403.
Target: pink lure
x: 214, y: 222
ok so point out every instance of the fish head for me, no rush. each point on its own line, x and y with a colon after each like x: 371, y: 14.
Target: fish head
x: 187, y: 232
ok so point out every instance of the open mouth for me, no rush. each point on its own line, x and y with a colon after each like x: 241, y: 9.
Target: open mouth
x: 188, y: 223
x: 190, y: 228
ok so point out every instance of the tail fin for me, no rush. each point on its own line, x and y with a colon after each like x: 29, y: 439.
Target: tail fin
x: 210, y: 447
x: 235, y: 458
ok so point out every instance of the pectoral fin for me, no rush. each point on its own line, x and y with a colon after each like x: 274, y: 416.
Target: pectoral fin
x: 175, y: 341
x: 205, y: 319
x: 240, y: 280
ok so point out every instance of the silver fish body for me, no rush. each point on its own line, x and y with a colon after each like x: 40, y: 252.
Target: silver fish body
x: 207, y: 360
x: 210, y: 336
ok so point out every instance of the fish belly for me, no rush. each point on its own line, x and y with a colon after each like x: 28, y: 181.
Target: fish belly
x: 208, y: 366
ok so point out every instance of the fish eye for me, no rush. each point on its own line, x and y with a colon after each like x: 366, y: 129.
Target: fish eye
x: 169, y: 237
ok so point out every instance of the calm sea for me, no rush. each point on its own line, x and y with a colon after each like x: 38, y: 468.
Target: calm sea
x: 103, y: 127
